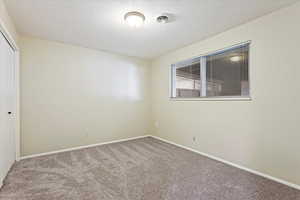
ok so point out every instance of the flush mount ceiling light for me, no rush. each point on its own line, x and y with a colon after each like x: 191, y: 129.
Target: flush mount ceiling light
x: 235, y: 58
x: 134, y: 19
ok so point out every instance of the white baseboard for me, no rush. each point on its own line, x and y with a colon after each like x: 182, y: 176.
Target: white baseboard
x: 232, y: 164
x: 81, y: 147
x: 173, y: 143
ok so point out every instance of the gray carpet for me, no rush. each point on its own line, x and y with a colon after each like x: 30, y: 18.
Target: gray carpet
x: 142, y: 169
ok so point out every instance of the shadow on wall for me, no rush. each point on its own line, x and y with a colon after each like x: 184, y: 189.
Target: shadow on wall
x: 122, y: 81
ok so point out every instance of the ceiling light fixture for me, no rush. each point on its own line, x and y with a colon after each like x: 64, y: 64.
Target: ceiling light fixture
x: 235, y: 58
x: 134, y: 19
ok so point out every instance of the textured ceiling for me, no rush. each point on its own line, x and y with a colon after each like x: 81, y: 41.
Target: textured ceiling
x: 99, y: 24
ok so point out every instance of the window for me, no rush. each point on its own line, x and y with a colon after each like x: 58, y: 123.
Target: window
x: 221, y: 74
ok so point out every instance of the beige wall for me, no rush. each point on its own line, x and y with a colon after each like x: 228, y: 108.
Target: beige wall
x: 72, y: 96
x: 6, y: 21
x: 262, y: 134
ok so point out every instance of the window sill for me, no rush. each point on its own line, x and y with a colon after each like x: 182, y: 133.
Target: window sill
x: 212, y: 99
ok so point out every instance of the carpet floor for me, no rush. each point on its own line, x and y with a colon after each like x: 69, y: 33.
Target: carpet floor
x: 141, y: 169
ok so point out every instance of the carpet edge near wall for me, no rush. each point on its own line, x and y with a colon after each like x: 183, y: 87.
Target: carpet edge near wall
x: 278, y: 180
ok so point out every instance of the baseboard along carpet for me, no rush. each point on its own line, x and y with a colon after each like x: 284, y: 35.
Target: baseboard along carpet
x: 141, y: 169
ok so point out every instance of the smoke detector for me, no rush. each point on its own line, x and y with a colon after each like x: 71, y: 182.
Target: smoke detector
x: 162, y: 19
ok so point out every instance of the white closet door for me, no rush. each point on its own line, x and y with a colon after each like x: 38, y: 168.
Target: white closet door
x: 7, y: 108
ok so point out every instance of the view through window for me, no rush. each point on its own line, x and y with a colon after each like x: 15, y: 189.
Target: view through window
x: 221, y: 74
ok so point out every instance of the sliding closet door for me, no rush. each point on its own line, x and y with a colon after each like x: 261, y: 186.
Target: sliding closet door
x: 7, y: 108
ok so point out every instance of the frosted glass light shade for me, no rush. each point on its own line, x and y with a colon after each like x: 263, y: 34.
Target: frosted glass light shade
x: 134, y: 19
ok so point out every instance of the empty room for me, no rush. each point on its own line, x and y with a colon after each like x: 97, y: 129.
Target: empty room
x: 149, y: 100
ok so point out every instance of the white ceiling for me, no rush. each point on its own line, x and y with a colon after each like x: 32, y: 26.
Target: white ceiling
x: 99, y: 24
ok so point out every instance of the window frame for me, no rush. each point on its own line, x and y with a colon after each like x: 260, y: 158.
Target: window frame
x: 172, y: 87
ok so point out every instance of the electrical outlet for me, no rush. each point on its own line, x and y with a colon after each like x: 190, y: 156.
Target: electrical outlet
x: 194, y: 139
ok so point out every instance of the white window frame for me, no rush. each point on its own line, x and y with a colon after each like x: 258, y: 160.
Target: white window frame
x: 202, y: 59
